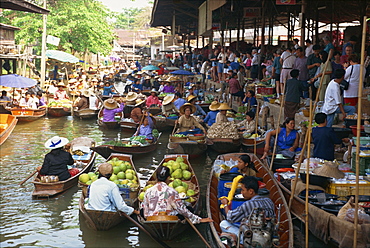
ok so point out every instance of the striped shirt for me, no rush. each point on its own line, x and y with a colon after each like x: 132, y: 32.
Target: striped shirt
x: 244, y: 210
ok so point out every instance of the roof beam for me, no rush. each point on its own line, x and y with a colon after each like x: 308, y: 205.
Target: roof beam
x: 187, y: 3
x: 186, y: 13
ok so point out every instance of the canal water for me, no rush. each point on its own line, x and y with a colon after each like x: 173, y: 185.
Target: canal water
x: 55, y: 222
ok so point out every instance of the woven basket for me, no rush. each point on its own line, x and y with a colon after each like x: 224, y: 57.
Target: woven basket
x: 306, y: 112
x: 192, y: 137
x: 178, y: 139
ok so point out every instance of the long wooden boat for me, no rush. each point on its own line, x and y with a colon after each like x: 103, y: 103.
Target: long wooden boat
x: 248, y: 145
x: 327, y: 226
x: 155, y: 110
x: 59, y: 111
x: 84, y: 163
x: 213, y: 208
x: 27, y: 115
x: 86, y: 113
x: 128, y: 126
x: 222, y: 145
x: 168, y: 229
x: 161, y: 123
x: 192, y: 147
x: 104, y: 220
x: 109, y: 124
x: 4, y: 109
x: 7, y: 125
x: 106, y: 150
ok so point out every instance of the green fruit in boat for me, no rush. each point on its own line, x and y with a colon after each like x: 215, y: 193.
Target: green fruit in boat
x: 176, y: 166
x: 179, y: 159
x: 84, y: 177
x: 121, y: 175
x: 113, y: 178
x: 116, y: 169
x: 185, y: 185
x: 165, y: 164
x: 191, y: 199
x: 147, y: 187
x: 184, y: 166
x: 89, y: 182
x: 124, y: 181
x: 135, y: 178
x: 94, y: 178
x: 186, y: 174
x: 176, y: 183
x: 116, y: 181
x: 123, y: 167
x: 171, y: 185
x: 91, y: 174
x: 130, y: 171
x: 171, y: 169
x: 141, y: 196
x: 129, y: 176
x: 128, y: 165
x: 190, y: 192
x: 177, y: 174
x: 180, y: 189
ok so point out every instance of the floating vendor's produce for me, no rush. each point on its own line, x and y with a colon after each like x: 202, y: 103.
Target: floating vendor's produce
x: 59, y: 108
x: 223, y: 137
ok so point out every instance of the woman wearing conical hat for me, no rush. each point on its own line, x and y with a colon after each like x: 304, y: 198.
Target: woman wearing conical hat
x: 111, y: 107
x: 83, y: 100
x: 199, y: 111
x: 168, y: 106
x: 221, y: 116
x: 187, y: 122
x: 211, y: 115
x: 60, y: 94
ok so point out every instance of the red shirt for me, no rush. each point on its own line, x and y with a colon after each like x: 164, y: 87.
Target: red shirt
x: 234, y: 86
x: 153, y: 100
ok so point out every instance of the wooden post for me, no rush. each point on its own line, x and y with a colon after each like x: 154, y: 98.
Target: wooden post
x: 288, y: 36
x: 317, y: 25
x: 263, y: 25
x: 43, y: 48
x: 255, y: 31
x: 256, y: 130
x: 308, y: 173
x: 359, y: 114
x: 303, y: 22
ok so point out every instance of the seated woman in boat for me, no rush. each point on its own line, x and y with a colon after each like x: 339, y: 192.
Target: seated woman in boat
x: 211, y: 115
x: 187, y: 122
x: 82, y: 102
x: 146, y: 128
x: 168, y: 88
x: 248, y: 125
x: 287, y: 140
x: 163, y: 198
x: 28, y: 102
x: 198, y: 109
x: 111, y: 107
x: 104, y: 194
x: 60, y: 94
x: 253, y: 200
x: 56, y: 161
x: 41, y: 101
x: 221, y: 116
x: 137, y: 111
x: 147, y: 84
x: 168, y: 106
x: 153, y: 100
x: 250, y: 99
x: 245, y: 166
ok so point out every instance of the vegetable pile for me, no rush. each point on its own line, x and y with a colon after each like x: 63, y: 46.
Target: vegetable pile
x: 224, y: 130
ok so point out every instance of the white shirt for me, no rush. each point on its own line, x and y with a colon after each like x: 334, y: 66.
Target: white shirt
x: 353, y: 79
x: 221, y: 58
x: 31, y: 104
x: 204, y: 68
x: 332, y: 98
x: 255, y: 59
x: 288, y: 60
x: 231, y: 57
x: 309, y: 50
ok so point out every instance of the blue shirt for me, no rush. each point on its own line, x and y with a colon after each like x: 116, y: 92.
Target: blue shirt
x: 104, y: 196
x: 147, y: 130
x: 139, y: 86
x: 108, y: 90
x: 324, y: 139
x: 211, y: 117
x: 234, y: 65
x: 286, y: 142
x: 179, y: 102
x: 199, y: 110
x: 277, y: 65
x: 250, y: 100
x: 328, y: 47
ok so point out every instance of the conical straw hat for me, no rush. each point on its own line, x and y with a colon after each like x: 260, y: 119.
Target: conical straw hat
x: 329, y: 169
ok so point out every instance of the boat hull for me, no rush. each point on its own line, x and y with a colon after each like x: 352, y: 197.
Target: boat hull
x: 10, y: 121
x: 28, y: 115
x: 225, y: 145
x: 59, y: 112
x: 86, y: 113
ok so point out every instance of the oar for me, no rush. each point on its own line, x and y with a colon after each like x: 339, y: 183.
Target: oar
x: 199, y: 234
x: 143, y: 229
x: 33, y: 173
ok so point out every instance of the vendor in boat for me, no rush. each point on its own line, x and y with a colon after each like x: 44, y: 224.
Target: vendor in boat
x: 245, y: 166
x: 111, y: 107
x: 137, y: 111
x: 211, y: 115
x: 61, y: 94
x: 28, y: 102
x: 146, y: 128
x: 82, y: 102
x: 153, y: 100
x: 249, y: 124
x: 108, y: 89
x: 41, y: 101
x: 253, y: 200
x: 168, y: 88
x: 187, y: 122
x: 287, y: 140
x: 179, y: 101
x: 56, y: 161
x: 104, y: 195
x: 168, y: 106
x: 4, y: 99
x: 163, y: 198
x: 199, y: 111
x: 221, y: 116
x: 147, y: 85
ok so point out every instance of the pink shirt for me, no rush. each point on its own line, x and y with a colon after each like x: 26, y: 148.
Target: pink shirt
x: 60, y: 95
x: 153, y: 100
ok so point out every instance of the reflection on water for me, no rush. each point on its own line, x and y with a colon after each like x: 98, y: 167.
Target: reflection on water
x: 55, y: 222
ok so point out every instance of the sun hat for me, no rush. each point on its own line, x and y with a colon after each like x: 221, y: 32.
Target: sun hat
x: 329, y: 169
x: 61, y: 85
x: 73, y: 80
x: 110, y: 104
x: 187, y: 105
x: 94, y: 80
x: 56, y: 142
x: 86, y: 93
x: 154, y: 91
x: 214, y: 106
x: 191, y: 97
x: 105, y: 169
x: 131, y: 96
x: 139, y: 102
x: 168, y: 99
x: 147, y: 77
x: 223, y: 106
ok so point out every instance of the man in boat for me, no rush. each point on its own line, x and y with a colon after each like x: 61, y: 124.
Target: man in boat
x: 4, y: 99
x: 104, y: 194
x: 111, y: 107
x: 253, y: 200
x: 168, y: 107
x: 163, y: 198
x: 179, y: 101
x: 41, y: 100
x: 56, y: 161
x: 221, y: 116
x: 199, y: 111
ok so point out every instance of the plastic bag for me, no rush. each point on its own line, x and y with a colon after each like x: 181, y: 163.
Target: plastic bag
x: 363, y: 218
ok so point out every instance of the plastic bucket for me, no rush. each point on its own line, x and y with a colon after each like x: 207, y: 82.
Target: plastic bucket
x: 225, y: 178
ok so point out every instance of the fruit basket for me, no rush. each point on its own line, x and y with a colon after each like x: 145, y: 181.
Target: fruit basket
x: 178, y: 139
x: 196, y: 137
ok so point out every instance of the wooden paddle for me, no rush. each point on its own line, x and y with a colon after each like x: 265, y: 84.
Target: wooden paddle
x: 143, y: 229
x: 199, y: 234
x: 33, y: 173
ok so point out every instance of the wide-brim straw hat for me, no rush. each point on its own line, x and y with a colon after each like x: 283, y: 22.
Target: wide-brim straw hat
x: 131, y: 96
x: 223, y: 106
x: 191, y: 97
x: 154, y: 91
x: 86, y: 93
x: 105, y: 169
x: 73, y: 80
x: 168, y: 99
x: 329, y: 169
x: 61, y: 85
x: 56, y: 142
x: 214, y: 106
x: 94, y: 80
x: 139, y: 102
x: 187, y: 105
x: 111, y: 104
x: 147, y: 78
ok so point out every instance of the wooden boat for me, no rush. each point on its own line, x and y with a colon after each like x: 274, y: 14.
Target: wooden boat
x: 222, y: 145
x: 161, y: 123
x: 59, y: 111
x: 106, y: 150
x: 276, y: 195
x: 84, y: 163
x: 4, y: 109
x: 168, y: 229
x: 110, y: 124
x: 128, y: 126
x: 191, y: 147
x: 332, y: 229
x: 104, y: 220
x: 248, y: 145
x: 86, y: 113
x: 155, y: 110
x: 7, y: 125
x: 27, y: 115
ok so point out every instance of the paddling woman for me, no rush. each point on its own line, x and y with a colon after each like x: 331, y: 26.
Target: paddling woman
x: 245, y: 166
x: 56, y: 161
